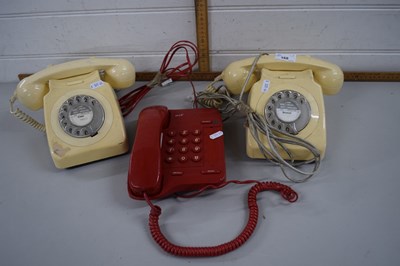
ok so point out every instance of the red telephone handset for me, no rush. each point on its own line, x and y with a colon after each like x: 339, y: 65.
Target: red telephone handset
x: 146, y: 155
x: 176, y: 151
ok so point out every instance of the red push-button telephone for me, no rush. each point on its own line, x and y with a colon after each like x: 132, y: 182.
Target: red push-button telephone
x: 176, y: 151
x: 180, y: 151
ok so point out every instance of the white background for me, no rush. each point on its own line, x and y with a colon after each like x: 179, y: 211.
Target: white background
x: 358, y: 35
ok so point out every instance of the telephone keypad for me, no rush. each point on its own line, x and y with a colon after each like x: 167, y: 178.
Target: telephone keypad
x: 184, y: 148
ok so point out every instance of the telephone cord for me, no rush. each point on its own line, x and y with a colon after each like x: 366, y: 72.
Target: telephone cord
x: 187, y: 251
x: 165, y: 75
x: 25, y: 117
x: 258, y: 126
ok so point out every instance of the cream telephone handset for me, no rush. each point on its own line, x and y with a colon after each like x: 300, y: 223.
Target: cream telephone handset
x: 83, y: 122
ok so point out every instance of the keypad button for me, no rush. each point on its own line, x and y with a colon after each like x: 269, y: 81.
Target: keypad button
x: 171, y: 133
x: 184, y: 132
x: 183, y: 149
x: 196, y: 149
x: 170, y: 150
x: 169, y: 159
x: 177, y: 173
x: 196, y: 140
x: 183, y: 158
x: 171, y: 142
x: 196, y: 132
x: 210, y: 172
x: 184, y: 141
x: 196, y: 158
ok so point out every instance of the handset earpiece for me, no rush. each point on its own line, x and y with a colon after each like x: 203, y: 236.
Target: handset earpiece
x: 331, y: 79
x: 31, y: 94
x: 235, y: 74
x: 121, y: 75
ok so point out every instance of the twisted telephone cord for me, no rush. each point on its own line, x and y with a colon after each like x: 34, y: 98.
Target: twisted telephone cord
x: 25, y: 117
x: 186, y: 251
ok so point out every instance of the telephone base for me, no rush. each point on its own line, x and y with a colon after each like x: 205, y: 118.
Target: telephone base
x: 64, y: 157
x: 83, y: 121
x: 299, y: 89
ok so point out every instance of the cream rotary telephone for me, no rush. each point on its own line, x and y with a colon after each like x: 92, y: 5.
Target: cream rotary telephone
x: 285, y: 105
x: 83, y: 121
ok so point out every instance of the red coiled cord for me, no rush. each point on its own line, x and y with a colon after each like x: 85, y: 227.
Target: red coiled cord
x: 286, y: 192
x: 129, y: 101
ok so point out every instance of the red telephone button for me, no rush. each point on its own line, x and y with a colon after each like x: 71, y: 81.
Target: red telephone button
x: 183, y: 149
x: 171, y: 141
x: 171, y: 133
x: 196, y: 132
x: 210, y: 172
x: 184, y: 141
x: 184, y: 132
x: 183, y: 158
x: 196, y: 149
x: 196, y: 158
x: 196, y: 140
x: 169, y: 159
x: 170, y: 150
x: 177, y: 173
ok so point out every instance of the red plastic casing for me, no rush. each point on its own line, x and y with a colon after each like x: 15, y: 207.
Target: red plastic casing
x: 176, y: 151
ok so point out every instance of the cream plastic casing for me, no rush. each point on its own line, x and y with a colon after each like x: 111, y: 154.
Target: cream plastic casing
x: 309, y: 76
x: 110, y: 140
x: 50, y: 88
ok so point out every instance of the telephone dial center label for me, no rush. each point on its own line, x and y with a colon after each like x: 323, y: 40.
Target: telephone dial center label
x: 81, y: 116
x: 287, y: 111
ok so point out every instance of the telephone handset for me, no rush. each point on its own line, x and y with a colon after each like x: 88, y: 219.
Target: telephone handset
x: 176, y: 151
x: 83, y: 122
x: 287, y: 91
